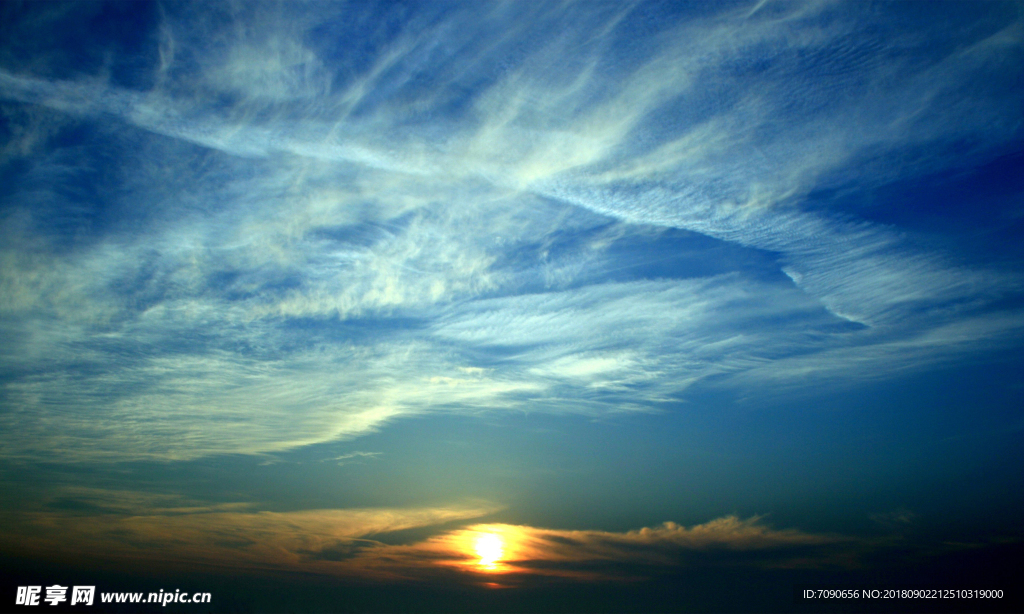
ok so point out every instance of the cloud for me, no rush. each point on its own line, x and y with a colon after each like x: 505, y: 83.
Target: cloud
x: 295, y: 224
x: 602, y: 555
x: 897, y: 519
x: 412, y: 544
x: 633, y: 334
x: 166, y: 531
x: 198, y: 405
x: 352, y: 455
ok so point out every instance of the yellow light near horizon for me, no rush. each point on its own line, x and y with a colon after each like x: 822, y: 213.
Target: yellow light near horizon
x: 490, y: 548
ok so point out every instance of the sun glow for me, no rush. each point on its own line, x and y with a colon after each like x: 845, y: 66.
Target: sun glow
x: 490, y: 548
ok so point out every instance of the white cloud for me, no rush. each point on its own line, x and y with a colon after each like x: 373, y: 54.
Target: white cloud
x: 426, y: 221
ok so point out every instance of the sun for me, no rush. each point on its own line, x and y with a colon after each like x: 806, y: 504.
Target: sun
x: 490, y: 548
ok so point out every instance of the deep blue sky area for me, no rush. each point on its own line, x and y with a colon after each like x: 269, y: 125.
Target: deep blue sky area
x: 512, y: 306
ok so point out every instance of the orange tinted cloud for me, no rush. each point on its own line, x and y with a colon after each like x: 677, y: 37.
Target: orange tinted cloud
x: 399, y: 544
x: 533, y: 551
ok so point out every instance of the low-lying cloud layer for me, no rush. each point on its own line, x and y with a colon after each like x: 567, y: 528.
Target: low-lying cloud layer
x: 411, y: 544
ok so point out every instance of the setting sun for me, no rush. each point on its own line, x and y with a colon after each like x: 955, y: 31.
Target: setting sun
x: 490, y: 548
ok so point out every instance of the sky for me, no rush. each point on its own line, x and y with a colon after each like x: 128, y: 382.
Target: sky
x: 512, y: 306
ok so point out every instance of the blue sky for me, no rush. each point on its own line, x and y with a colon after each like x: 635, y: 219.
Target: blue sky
x: 366, y: 268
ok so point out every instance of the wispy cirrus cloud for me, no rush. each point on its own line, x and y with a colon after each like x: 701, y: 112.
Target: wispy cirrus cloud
x: 467, y: 211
